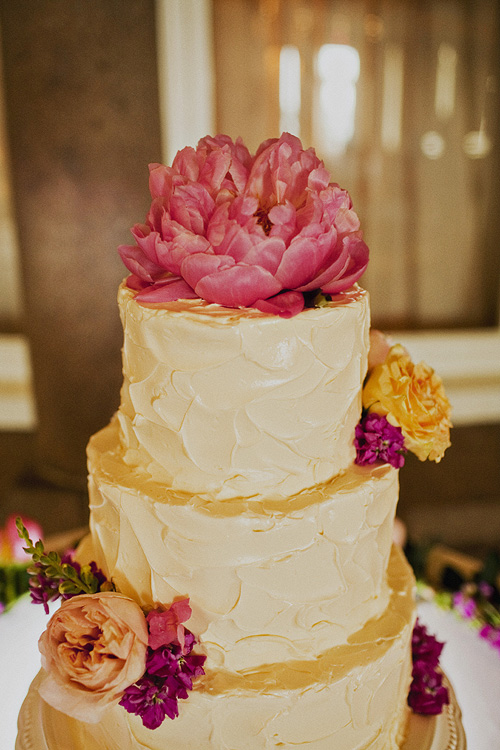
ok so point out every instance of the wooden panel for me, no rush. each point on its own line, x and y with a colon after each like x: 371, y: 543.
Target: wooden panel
x: 83, y: 123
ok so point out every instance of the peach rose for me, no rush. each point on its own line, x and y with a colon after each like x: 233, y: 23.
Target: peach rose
x: 413, y: 398
x: 94, y: 647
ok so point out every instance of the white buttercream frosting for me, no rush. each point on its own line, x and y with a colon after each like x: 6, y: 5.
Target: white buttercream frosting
x: 235, y: 403
x: 268, y: 580
x: 227, y: 477
x: 352, y: 696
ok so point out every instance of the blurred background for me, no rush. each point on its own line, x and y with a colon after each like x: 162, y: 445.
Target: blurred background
x: 401, y: 100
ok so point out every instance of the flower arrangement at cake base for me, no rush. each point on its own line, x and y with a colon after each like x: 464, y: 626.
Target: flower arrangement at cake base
x: 100, y: 648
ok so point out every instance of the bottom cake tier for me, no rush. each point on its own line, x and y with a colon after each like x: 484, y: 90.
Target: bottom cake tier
x: 352, y: 697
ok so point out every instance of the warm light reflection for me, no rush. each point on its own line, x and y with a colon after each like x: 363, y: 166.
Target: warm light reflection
x: 337, y: 67
x: 446, y: 72
x: 289, y: 89
x: 392, y: 98
x: 476, y: 144
x: 432, y: 145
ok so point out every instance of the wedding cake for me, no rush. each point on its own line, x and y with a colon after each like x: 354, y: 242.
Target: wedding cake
x: 247, y: 485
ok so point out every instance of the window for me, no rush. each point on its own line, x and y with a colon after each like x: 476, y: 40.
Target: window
x: 401, y: 100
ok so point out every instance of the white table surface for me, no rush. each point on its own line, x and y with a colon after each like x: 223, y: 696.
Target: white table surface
x: 472, y: 666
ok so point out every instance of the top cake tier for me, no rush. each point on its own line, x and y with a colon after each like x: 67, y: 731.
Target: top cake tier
x: 230, y: 403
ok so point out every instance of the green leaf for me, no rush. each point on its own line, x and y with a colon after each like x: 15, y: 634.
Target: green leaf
x: 51, y: 571
x: 322, y: 300
x: 68, y: 587
x: 69, y: 572
x: 89, y: 578
x: 22, y: 530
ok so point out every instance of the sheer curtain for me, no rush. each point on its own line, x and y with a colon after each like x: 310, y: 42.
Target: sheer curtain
x: 401, y: 100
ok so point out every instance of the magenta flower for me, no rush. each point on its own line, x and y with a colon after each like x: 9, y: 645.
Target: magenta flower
x: 245, y: 231
x: 170, y: 671
x: 491, y: 634
x: 425, y: 647
x: 427, y: 693
x: 376, y: 440
x: 150, y: 700
x: 465, y: 605
x: 486, y: 589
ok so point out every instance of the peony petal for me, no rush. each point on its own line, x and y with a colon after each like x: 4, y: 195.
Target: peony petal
x: 196, y: 267
x: 184, y: 245
x: 284, y: 221
x: 136, y: 283
x: 214, y: 170
x: 137, y: 262
x: 335, y: 270
x: 167, y: 290
x: 359, y: 255
x: 302, y: 260
x: 146, y: 240
x: 187, y: 163
x: 346, y: 221
x: 160, y: 181
x: 239, y: 286
x: 266, y: 253
x: 191, y: 206
x: 286, y: 304
x: 334, y: 200
x: 237, y: 242
x: 281, y: 172
x: 318, y: 179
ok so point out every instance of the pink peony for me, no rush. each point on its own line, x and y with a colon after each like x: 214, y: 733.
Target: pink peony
x: 94, y: 647
x: 165, y: 626
x: 245, y: 231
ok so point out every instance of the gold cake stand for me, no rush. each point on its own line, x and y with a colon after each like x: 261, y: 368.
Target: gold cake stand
x: 442, y: 732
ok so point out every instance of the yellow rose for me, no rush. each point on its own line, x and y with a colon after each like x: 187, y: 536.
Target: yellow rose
x: 94, y: 647
x: 412, y: 397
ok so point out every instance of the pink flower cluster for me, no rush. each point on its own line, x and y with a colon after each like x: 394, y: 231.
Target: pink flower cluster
x: 478, y: 605
x: 244, y: 230
x: 491, y: 634
x: 171, y: 667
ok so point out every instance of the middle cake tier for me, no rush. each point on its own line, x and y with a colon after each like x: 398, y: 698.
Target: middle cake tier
x: 268, y: 580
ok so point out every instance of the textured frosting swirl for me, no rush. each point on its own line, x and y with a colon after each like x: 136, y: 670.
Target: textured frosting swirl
x: 235, y: 403
x: 353, y: 696
x: 268, y: 580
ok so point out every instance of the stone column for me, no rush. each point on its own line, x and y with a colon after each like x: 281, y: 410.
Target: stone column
x: 82, y: 117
